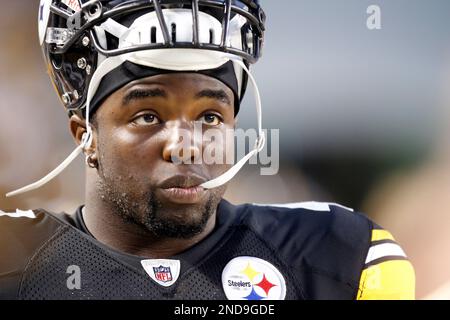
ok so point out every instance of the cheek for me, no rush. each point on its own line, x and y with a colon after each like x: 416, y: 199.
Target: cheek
x: 124, y: 153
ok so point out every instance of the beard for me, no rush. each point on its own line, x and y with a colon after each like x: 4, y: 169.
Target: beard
x: 150, y: 214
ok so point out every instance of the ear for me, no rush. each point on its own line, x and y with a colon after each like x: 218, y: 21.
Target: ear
x: 77, y: 127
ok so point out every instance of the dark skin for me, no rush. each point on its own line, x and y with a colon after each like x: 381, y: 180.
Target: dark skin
x: 128, y: 206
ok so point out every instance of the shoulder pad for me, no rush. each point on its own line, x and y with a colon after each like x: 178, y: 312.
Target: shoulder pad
x: 324, y: 239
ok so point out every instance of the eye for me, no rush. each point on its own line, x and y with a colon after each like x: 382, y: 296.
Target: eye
x: 211, y: 119
x: 146, y: 119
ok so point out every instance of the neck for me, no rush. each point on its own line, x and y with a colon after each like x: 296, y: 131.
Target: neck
x: 111, y: 229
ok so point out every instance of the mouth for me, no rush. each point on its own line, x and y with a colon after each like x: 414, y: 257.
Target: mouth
x: 182, y: 189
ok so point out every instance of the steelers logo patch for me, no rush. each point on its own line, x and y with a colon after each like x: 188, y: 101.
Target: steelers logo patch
x: 250, y: 278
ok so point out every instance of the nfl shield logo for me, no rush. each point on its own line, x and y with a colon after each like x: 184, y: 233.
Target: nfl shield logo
x: 162, y: 274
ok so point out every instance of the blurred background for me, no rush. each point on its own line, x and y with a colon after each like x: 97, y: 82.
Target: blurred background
x: 364, y: 117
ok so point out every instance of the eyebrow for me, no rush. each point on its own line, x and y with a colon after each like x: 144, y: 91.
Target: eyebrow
x: 138, y: 94
x: 220, y: 95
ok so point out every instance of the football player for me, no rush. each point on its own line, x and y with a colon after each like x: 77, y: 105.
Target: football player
x: 134, y: 75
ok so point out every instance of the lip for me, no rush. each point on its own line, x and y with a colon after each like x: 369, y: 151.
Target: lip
x: 182, y: 189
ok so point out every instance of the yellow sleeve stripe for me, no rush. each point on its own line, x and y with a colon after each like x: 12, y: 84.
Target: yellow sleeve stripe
x: 389, y: 280
x: 380, y: 234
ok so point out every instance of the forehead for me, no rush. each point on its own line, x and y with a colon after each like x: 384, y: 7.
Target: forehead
x: 180, y: 80
x: 177, y: 86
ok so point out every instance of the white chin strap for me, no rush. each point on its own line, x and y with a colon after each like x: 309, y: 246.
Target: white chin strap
x: 86, y: 141
x: 192, y: 60
x: 259, y: 144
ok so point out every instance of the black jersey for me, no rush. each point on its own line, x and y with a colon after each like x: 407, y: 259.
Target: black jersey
x: 298, y: 251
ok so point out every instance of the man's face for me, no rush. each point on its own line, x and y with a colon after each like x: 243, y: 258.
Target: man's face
x: 139, y: 130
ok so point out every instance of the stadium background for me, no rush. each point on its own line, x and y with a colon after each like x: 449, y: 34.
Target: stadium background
x: 364, y: 119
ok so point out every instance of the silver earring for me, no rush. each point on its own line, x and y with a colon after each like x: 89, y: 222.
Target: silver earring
x: 90, y: 162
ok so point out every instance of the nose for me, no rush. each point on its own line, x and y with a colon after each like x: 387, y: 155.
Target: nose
x: 182, y: 145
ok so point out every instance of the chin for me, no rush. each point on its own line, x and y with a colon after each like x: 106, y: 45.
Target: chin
x: 184, y: 214
x: 177, y: 221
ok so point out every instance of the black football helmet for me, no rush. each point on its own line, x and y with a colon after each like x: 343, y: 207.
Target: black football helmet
x: 76, y: 36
